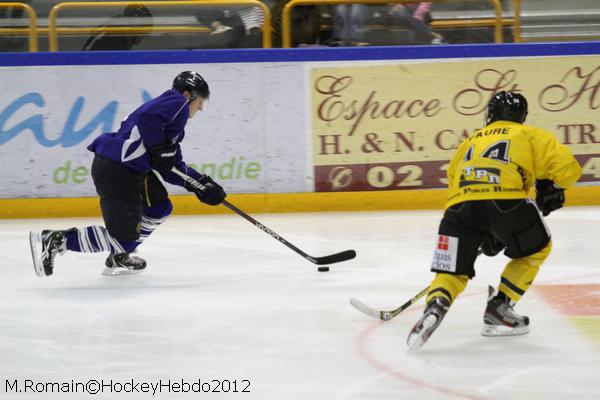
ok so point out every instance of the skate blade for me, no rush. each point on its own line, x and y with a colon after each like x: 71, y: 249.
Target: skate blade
x: 121, y: 271
x: 497, y: 331
x: 35, y: 242
x: 416, y: 340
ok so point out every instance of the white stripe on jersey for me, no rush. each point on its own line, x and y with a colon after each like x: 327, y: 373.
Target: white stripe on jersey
x: 134, y: 139
x: 178, y: 111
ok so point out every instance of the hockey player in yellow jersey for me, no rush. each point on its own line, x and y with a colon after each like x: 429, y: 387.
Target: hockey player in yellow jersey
x: 488, y: 208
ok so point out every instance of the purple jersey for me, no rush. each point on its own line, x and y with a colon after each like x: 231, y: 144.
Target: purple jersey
x: 156, y: 122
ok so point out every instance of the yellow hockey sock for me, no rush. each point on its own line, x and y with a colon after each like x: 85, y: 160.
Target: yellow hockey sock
x: 447, y: 285
x: 518, y: 275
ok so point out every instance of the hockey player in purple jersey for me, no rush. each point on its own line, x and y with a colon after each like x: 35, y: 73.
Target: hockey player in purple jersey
x: 132, y: 198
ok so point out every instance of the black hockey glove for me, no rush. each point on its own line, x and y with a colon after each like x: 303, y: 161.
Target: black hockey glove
x: 549, y: 197
x: 212, y: 194
x: 162, y: 158
x: 491, y: 246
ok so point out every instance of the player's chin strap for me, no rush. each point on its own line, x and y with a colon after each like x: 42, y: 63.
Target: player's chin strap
x: 330, y: 259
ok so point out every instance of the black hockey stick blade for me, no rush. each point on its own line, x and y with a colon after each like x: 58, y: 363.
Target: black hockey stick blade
x: 330, y: 259
x: 334, y: 258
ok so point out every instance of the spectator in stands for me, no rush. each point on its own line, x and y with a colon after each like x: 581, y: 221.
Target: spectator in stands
x: 349, y: 25
x: 239, y: 29
x: 14, y: 43
x: 417, y: 18
x: 305, y: 24
x: 101, y: 39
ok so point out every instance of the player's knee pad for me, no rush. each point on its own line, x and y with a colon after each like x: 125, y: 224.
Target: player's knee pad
x: 519, y: 273
x: 159, y: 211
x: 122, y: 220
x: 447, y: 285
x: 538, y: 258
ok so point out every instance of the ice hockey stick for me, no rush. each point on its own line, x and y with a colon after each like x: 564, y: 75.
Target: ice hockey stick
x: 386, y: 315
x: 330, y: 259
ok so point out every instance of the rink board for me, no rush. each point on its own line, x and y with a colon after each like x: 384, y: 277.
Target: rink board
x: 282, y: 202
x: 291, y: 130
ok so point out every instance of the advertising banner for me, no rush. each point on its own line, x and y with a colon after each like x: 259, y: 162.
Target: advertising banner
x: 50, y: 114
x: 396, y: 126
x: 289, y: 121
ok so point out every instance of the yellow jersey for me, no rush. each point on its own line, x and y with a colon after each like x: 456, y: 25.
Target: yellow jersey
x: 503, y: 161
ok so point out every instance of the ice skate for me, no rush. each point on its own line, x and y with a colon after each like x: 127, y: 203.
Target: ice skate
x: 432, y: 317
x: 123, y: 264
x: 500, y: 318
x: 44, y: 247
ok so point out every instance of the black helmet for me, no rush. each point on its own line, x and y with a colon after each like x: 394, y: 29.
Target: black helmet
x: 193, y: 83
x: 507, y: 106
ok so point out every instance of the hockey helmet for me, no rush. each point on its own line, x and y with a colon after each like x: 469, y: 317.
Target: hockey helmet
x: 193, y: 83
x: 507, y: 106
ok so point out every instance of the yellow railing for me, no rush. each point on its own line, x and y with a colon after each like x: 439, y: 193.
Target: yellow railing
x: 113, y: 30
x: 54, y: 30
x: 497, y: 22
x: 123, y: 30
x: 32, y: 30
x: 517, y: 17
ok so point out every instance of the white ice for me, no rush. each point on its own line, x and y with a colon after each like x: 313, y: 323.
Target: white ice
x: 221, y: 300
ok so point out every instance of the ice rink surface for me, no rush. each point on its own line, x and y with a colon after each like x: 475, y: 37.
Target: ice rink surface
x: 223, y: 303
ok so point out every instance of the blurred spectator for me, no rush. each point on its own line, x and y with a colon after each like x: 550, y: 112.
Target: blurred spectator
x: 223, y: 23
x: 349, y: 25
x: 417, y: 18
x: 305, y: 24
x: 15, y: 43
x: 101, y: 39
x: 240, y: 29
x: 478, y: 34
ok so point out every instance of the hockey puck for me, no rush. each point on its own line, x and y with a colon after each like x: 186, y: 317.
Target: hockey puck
x: 323, y: 269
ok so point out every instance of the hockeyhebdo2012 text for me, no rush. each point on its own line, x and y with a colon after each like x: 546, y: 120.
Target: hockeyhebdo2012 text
x: 110, y: 386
